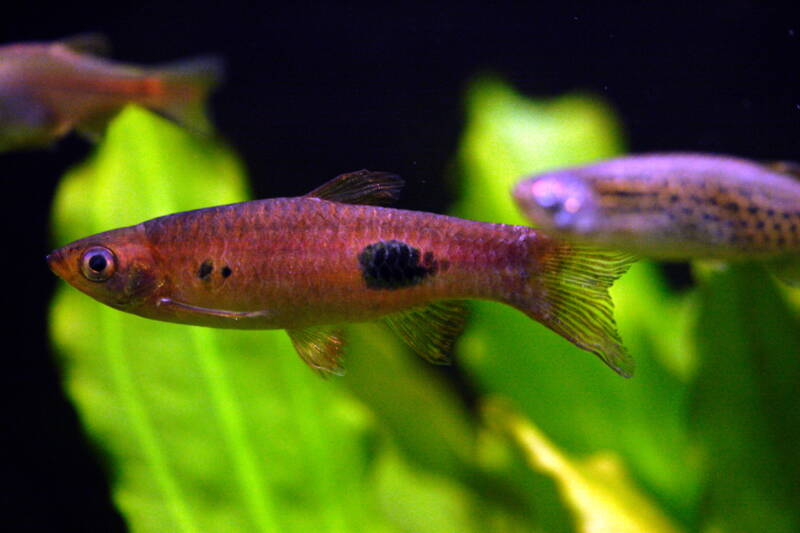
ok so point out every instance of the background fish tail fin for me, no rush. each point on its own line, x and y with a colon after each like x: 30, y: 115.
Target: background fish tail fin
x: 187, y: 85
x: 568, y: 293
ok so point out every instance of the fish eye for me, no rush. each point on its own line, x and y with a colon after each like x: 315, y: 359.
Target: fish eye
x: 98, y: 264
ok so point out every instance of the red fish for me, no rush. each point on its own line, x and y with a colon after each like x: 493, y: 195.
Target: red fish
x: 48, y: 89
x: 312, y: 263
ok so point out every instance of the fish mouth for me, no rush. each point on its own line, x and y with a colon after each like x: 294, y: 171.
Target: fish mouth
x: 55, y: 260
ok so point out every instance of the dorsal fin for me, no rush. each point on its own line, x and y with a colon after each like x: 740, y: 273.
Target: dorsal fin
x: 785, y: 167
x: 95, y: 44
x: 320, y: 347
x: 361, y: 187
x: 432, y: 330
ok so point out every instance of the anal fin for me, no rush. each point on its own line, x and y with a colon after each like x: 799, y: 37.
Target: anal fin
x: 321, y: 347
x: 432, y: 330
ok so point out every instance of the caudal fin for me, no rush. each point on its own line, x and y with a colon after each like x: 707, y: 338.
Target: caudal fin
x: 186, y: 88
x: 568, y: 293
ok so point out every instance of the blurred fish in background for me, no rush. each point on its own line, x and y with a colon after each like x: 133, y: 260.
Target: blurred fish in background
x: 49, y: 89
x: 675, y: 207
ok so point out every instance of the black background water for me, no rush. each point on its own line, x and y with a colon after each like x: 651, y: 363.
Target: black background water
x: 315, y: 91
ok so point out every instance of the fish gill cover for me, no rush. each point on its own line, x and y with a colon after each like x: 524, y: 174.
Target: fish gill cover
x: 208, y: 430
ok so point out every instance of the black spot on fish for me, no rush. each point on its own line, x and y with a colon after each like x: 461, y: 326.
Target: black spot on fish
x: 781, y: 241
x: 394, y: 265
x: 753, y: 209
x: 711, y: 218
x: 776, y: 226
x: 786, y: 215
x: 793, y: 228
x: 760, y: 224
x: 674, y: 198
x: 687, y: 211
x: 205, y: 270
x: 696, y: 199
x: 770, y: 212
x: 226, y: 271
x: 712, y: 201
x: 733, y: 207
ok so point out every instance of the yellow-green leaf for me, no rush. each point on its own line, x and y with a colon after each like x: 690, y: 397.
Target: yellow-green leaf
x: 601, y: 493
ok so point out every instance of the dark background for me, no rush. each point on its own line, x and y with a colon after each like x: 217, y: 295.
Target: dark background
x: 312, y: 92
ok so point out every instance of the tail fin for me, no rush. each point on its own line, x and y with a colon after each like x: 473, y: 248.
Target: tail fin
x: 187, y: 85
x: 569, y: 294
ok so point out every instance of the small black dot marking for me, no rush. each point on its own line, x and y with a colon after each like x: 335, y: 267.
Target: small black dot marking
x: 226, y: 271
x: 733, y: 207
x: 395, y: 265
x: 753, y: 209
x: 674, y: 198
x: 696, y: 199
x: 781, y: 241
x: 786, y: 215
x: 776, y: 226
x: 760, y: 224
x: 687, y: 211
x: 793, y: 228
x: 770, y: 212
x: 205, y: 270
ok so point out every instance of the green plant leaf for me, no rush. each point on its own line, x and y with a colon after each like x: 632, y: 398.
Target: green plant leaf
x: 745, y: 402
x: 576, y: 401
x: 598, y: 488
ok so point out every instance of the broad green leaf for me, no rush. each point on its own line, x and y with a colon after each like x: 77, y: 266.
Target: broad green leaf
x: 204, y: 430
x: 576, y: 401
x: 443, y: 448
x: 597, y: 488
x: 745, y: 402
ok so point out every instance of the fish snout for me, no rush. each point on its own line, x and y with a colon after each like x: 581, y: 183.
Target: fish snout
x: 557, y: 201
x: 55, y: 260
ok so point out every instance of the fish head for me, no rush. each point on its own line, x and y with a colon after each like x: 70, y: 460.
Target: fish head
x: 562, y: 202
x: 116, y: 268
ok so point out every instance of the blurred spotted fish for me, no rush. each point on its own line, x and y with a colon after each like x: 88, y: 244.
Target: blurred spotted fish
x: 49, y: 89
x: 334, y: 256
x: 675, y: 206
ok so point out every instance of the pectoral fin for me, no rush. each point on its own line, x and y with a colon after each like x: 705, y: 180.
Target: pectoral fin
x: 320, y: 347
x: 432, y: 330
x: 209, y: 312
x: 361, y: 187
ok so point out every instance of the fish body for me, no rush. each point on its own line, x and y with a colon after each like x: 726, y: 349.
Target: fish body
x: 311, y: 263
x: 47, y: 89
x: 671, y: 206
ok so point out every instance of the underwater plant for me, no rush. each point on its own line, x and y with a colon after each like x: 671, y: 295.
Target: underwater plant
x: 210, y: 430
